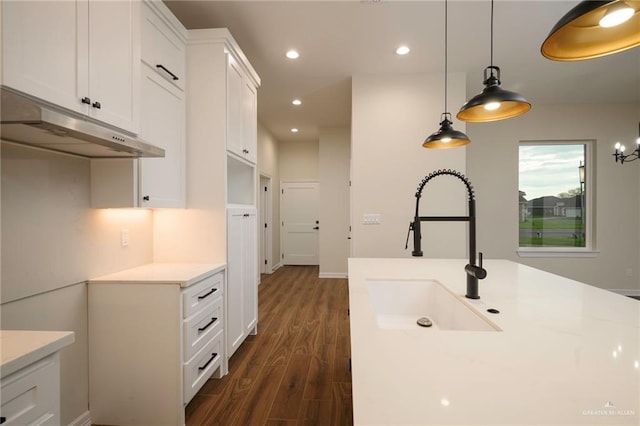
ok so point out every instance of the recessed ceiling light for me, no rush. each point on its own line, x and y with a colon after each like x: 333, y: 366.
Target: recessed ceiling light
x: 403, y: 50
x: 296, y: 102
x: 292, y: 54
x: 294, y: 130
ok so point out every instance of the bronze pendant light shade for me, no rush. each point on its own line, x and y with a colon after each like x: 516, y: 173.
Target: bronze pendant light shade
x: 583, y: 33
x: 446, y: 136
x: 494, y: 102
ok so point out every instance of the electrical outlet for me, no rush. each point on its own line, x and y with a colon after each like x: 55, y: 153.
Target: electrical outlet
x: 124, y: 237
x: 371, y: 219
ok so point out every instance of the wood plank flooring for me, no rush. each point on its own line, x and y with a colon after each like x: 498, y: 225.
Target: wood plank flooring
x: 296, y: 370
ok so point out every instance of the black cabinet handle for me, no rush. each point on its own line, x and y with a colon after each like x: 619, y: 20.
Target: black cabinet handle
x: 145, y: 198
x: 163, y: 68
x: 204, y: 296
x: 85, y: 100
x: 213, y: 356
x: 96, y: 105
x: 214, y: 319
x: 316, y: 227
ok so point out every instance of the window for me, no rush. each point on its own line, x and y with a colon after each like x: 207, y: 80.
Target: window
x: 555, y: 197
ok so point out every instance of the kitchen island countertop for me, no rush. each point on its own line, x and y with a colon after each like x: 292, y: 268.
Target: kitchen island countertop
x: 567, y: 353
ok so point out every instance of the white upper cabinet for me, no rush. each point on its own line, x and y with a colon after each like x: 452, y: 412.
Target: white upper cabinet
x: 162, y: 50
x: 241, y: 113
x: 82, y: 55
x: 152, y: 182
x: 162, y: 180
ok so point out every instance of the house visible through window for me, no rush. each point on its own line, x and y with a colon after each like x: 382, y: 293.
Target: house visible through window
x: 554, y: 194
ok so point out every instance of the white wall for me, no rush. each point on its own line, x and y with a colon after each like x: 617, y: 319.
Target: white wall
x: 493, y: 168
x: 299, y: 160
x: 53, y: 242
x: 391, y: 117
x: 334, y: 149
x: 268, y: 164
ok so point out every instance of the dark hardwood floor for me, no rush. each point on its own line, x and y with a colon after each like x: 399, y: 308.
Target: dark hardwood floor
x: 296, y: 370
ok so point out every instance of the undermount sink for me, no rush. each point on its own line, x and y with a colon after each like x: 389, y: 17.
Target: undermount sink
x: 398, y: 304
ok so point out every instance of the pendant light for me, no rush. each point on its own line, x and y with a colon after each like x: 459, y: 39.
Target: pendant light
x: 593, y: 29
x: 446, y: 136
x: 493, y: 103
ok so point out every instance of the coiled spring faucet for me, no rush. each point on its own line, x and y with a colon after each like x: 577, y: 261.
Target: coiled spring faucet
x: 474, y: 272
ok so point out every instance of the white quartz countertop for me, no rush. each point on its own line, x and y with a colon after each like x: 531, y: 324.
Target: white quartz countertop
x: 183, y: 274
x: 568, y: 353
x: 19, y: 348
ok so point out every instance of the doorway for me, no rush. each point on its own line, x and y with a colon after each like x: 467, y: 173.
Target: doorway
x: 299, y: 202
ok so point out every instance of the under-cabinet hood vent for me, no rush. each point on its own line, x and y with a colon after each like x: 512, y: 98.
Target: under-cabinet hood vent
x: 31, y: 122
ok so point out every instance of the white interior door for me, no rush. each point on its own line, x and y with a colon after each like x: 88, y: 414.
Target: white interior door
x: 300, y: 225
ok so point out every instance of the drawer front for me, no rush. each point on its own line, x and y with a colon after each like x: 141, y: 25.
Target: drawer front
x: 200, y: 294
x: 31, y: 395
x: 201, y: 366
x: 161, y: 48
x: 199, y: 328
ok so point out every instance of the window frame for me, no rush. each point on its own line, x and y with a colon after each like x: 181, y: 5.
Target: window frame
x: 589, y: 250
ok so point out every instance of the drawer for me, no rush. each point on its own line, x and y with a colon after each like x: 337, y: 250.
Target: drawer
x: 201, y: 366
x: 31, y: 395
x: 162, y: 49
x: 199, y: 328
x: 200, y: 294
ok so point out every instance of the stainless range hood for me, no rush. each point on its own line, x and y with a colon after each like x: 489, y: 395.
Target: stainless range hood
x: 31, y: 122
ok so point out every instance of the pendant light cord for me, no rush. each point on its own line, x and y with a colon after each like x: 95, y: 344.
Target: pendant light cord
x: 445, y: 56
x: 492, y: 35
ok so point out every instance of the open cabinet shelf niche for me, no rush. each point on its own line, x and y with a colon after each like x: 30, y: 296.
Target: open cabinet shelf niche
x: 240, y: 182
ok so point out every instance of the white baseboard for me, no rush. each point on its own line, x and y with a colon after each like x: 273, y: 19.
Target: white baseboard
x: 276, y: 267
x: 626, y: 291
x: 333, y: 275
x: 83, y: 420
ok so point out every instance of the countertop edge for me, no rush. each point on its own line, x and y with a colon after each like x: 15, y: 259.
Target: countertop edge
x: 53, y: 342
x: 137, y: 274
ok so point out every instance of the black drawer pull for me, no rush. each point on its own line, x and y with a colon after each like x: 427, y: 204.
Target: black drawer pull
x: 204, y: 296
x: 96, y: 105
x: 163, y: 68
x: 213, y: 356
x: 201, y: 329
x: 85, y: 100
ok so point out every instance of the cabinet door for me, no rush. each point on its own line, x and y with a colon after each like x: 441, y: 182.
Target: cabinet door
x: 162, y: 49
x: 249, y: 121
x: 114, y: 62
x: 44, y: 50
x: 162, y: 180
x: 235, y: 329
x: 249, y: 272
x: 234, y: 108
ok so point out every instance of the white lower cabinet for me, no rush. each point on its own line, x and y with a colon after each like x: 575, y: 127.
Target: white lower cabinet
x: 153, y: 344
x: 31, y: 396
x: 242, y: 286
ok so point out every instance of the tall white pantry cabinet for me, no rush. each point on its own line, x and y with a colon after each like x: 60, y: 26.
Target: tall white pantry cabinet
x: 222, y: 126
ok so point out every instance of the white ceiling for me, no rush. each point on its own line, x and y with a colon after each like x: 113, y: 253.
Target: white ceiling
x: 338, y: 39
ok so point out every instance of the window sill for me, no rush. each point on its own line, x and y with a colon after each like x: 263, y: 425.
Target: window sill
x: 556, y: 252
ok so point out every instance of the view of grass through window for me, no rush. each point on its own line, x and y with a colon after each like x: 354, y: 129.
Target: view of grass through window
x: 552, y: 193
